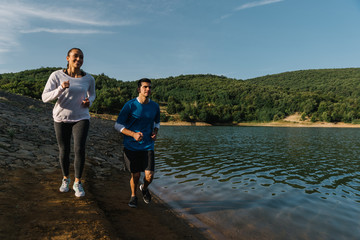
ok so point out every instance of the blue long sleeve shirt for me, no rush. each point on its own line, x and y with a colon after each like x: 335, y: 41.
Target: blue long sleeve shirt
x: 139, y: 117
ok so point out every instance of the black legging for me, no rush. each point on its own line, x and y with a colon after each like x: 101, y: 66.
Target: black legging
x: 79, y: 131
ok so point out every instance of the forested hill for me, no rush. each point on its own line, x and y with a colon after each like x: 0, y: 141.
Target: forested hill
x: 345, y: 82
x: 331, y: 95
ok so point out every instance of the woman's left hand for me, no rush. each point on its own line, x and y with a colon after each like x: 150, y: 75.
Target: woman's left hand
x: 86, y: 102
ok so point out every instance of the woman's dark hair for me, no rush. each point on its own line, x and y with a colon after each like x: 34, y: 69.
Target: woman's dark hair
x: 68, y: 54
x: 143, y: 80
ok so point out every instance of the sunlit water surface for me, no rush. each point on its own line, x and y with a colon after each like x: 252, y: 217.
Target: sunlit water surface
x: 261, y: 182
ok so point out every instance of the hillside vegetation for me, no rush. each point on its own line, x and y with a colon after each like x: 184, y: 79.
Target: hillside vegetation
x: 330, y: 95
x: 344, y: 82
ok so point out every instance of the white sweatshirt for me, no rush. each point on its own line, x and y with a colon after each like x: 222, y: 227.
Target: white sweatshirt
x: 69, y: 107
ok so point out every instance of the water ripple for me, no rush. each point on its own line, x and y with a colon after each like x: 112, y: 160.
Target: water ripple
x: 315, y: 161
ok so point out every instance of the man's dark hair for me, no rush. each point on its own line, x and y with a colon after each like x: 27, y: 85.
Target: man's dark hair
x: 143, y: 80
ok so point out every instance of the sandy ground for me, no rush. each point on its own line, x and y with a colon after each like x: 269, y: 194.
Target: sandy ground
x: 290, y: 121
x: 294, y: 121
x: 31, y: 206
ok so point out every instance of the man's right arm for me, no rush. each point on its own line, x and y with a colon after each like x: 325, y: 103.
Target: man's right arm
x: 136, y: 135
x: 121, y: 127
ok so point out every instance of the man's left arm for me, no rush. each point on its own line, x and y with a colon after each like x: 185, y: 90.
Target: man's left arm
x: 156, y: 125
x: 154, y: 133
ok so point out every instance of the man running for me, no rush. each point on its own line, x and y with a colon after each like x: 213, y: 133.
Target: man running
x: 139, y: 121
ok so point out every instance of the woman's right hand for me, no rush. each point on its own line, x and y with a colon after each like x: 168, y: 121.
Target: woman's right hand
x: 65, y: 84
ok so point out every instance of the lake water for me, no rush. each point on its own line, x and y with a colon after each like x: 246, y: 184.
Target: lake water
x: 262, y: 182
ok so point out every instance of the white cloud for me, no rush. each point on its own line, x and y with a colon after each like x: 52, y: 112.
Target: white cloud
x: 225, y: 16
x: 65, y: 15
x: 64, y: 31
x: 257, y: 4
x: 28, y: 17
x: 246, y: 6
x: 60, y: 14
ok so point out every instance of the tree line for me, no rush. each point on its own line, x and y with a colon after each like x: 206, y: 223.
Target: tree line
x: 330, y: 95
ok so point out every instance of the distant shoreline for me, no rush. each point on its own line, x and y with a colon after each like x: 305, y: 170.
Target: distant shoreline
x: 303, y: 124
x: 269, y: 124
x: 291, y: 121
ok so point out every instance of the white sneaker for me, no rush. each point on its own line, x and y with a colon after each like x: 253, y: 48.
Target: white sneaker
x: 79, y: 191
x: 65, y: 185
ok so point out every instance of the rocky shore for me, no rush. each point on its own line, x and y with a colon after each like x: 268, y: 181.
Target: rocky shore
x: 32, y: 206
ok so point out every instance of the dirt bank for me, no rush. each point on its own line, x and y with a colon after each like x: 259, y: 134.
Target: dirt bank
x: 32, y: 206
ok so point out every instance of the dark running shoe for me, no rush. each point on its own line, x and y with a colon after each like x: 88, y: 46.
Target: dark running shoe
x: 133, y: 202
x: 146, y: 194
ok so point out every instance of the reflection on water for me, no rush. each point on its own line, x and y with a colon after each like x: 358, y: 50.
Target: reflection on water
x: 263, y: 183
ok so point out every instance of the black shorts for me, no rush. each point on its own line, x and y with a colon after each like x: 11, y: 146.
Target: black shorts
x: 139, y: 161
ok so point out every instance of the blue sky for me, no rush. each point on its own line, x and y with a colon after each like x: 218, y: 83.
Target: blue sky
x: 131, y: 39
